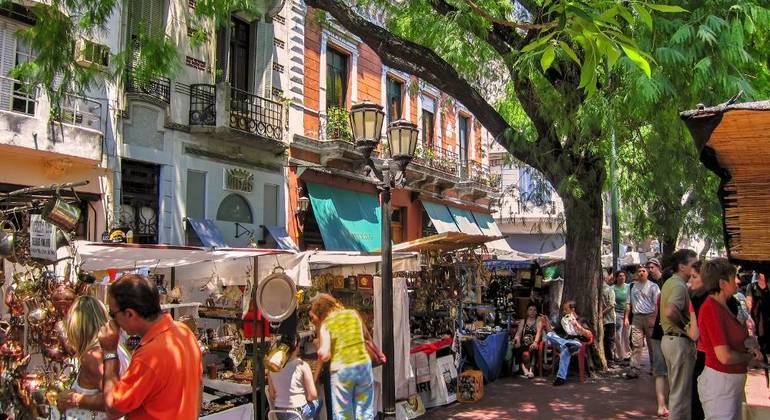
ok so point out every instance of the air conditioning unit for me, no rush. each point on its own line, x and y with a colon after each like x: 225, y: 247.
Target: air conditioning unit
x: 89, y: 54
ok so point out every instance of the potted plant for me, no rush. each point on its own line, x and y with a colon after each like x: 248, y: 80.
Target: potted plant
x: 338, y: 124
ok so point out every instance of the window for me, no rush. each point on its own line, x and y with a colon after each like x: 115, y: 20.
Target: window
x: 395, y: 101
x: 336, y: 79
x: 239, y: 55
x: 24, y: 95
x: 463, y: 142
x: 196, y: 195
x: 145, y: 16
x: 428, y: 120
x: 533, y: 187
x: 139, y: 200
x: 428, y: 124
x: 270, y: 206
x: 235, y: 208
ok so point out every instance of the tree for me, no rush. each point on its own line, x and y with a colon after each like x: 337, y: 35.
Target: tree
x: 705, y: 56
x: 554, y: 59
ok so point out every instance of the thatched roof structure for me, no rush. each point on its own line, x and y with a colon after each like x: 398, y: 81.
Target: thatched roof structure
x: 734, y: 142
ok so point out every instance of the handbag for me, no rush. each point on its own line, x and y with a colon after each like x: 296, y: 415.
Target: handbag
x: 377, y: 356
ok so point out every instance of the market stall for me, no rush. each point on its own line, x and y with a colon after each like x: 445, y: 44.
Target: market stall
x: 188, y: 278
x: 454, y: 326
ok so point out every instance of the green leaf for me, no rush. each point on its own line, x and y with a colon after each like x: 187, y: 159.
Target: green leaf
x: 537, y: 43
x: 707, y: 35
x: 633, y: 54
x: 643, y: 14
x: 570, y: 52
x: 547, y: 59
x: 612, y: 55
x: 625, y: 13
x: 588, y: 71
x: 666, y: 8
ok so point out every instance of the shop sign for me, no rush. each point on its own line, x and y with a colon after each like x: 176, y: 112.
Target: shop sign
x: 42, y: 239
x: 239, y: 180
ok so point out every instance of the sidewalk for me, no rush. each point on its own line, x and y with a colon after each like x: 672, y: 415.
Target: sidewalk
x: 757, y: 396
x: 612, y: 397
x: 609, y: 397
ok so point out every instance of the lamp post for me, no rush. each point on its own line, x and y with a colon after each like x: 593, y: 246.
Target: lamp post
x: 366, y: 122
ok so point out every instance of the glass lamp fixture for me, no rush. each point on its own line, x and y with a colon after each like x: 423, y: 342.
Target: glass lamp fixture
x: 402, y: 141
x: 366, y: 122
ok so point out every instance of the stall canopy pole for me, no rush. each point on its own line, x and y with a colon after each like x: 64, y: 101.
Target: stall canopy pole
x: 388, y: 370
x: 257, y: 371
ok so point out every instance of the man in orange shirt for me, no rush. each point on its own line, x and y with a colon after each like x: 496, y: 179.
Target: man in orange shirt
x: 164, y: 378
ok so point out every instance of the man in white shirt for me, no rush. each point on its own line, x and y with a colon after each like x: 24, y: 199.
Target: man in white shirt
x: 608, y: 316
x: 640, y: 312
x: 566, y: 338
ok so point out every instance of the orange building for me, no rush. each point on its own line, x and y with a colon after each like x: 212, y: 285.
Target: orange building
x: 449, y: 186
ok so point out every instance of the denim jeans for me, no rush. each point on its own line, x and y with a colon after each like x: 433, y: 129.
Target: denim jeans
x: 307, y: 411
x: 353, y: 392
x: 564, y: 353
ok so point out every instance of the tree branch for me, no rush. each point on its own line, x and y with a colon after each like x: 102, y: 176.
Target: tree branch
x: 492, y: 38
x: 424, y: 63
x: 502, y: 22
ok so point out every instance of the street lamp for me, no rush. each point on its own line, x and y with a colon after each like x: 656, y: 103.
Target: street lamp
x: 366, y: 122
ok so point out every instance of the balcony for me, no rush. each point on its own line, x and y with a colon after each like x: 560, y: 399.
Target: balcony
x: 24, y: 113
x: 438, y: 169
x: 157, y: 89
x: 234, y: 114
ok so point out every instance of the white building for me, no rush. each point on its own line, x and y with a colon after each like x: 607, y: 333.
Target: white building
x: 209, y: 144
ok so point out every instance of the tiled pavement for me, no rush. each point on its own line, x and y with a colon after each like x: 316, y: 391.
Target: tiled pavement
x: 612, y: 397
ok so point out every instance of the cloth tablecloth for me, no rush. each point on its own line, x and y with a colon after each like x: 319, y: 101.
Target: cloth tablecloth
x: 489, y: 354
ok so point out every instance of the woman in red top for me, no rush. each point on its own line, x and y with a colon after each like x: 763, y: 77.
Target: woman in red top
x: 722, y: 338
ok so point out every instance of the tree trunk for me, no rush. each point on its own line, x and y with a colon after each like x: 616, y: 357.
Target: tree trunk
x: 708, y: 242
x: 582, y: 277
x: 667, y: 249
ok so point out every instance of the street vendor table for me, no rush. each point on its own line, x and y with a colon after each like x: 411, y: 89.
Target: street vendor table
x: 241, y: 412
x: 228, y: 387
x: 488, y: 354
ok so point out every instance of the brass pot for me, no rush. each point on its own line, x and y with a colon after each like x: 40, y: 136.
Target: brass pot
x: 62, y: 298
x: 37, y: 316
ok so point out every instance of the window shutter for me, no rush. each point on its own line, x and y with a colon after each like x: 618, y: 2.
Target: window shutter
x: 155, y: 18
x: 525, y: 182
x: 7, y: 62
x: 147, y: 15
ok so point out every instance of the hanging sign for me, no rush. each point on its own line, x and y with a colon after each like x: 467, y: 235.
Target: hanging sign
x: 42, y: 239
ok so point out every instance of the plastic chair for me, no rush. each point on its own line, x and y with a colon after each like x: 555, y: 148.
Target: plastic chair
x: 288, y: 414
x: 581, y: 355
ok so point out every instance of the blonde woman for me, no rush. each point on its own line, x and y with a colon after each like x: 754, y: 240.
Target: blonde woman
x: 86, y: 316
x: 342, y: 333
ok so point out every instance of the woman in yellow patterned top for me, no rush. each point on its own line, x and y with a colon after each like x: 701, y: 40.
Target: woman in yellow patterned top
x: 342, y: 343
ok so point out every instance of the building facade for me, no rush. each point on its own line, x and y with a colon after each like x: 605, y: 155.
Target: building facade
x: 255, y: 119
x: 207, y: 145
x: 448, y: 185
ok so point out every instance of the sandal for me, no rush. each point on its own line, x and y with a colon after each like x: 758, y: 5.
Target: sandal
x: 663, y: 415
x: 530, y: 375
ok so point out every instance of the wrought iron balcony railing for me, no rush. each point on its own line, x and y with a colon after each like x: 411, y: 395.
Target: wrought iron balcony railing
x: 439, y: 159
x: 203, y: 105
x: 82, y: 112
x: 156, y: 87
x: 256, y: 115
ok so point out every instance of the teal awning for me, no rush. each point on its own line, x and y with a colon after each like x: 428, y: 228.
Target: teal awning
x: 465, y: 221
x: 488, y: 227
x: 441, y: 217
x: 348, y: 220
x: 487, y: 224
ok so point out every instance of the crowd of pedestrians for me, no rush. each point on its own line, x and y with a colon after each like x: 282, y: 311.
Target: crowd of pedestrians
x: 701, y: 332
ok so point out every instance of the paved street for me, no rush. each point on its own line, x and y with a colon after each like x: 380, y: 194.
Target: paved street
x: 608, y: 398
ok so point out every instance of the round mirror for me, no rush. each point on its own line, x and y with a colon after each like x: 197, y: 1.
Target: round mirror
x: 277, y: 296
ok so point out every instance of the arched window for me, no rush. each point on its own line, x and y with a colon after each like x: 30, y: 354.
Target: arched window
x: 235, y: 208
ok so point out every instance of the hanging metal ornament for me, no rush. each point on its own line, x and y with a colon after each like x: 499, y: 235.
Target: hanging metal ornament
x: 277, y: 296
x: 61, y: 214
